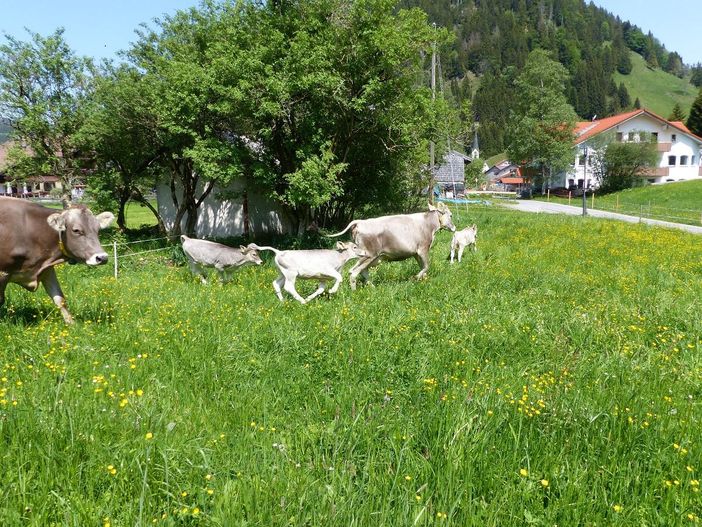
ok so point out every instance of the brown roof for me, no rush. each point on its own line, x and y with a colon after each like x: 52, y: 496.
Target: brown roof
x: 586, y: 129
x: 512, y: 180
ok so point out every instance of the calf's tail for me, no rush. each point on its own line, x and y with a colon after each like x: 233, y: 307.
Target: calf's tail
x: 354, y: 222
x: 264, y: 248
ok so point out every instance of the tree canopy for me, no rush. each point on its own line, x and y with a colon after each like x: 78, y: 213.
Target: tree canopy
x: 541, y: 129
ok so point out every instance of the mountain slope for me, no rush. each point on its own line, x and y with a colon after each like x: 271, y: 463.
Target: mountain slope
x: 657, y: 90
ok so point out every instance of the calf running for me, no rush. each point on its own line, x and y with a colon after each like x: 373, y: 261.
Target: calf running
x: 320, y: 264
x: 202, y: 254
x: 461, y: 239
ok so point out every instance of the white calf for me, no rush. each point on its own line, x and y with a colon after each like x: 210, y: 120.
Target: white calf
x: 320, y: 264
x: 462, y: 238
x: 202, y: 254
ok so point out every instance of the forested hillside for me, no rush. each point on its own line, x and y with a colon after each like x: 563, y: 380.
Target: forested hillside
x: 493, y: 39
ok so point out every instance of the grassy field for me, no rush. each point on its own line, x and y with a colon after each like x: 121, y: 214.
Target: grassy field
x: 679, y: 202
x: 542, y: 381
x: 657, y: 90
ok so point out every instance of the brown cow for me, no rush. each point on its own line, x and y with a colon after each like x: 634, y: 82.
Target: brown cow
x: 33, y: 239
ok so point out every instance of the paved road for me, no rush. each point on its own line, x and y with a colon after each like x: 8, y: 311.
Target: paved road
x: 557, y: 208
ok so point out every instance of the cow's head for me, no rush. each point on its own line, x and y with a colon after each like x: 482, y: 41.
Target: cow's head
x: 354, y: 250
x: 78, y: 234
x: 444, y: 216
x: 251, y: 254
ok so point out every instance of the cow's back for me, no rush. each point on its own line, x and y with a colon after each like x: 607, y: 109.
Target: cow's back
x: 26, y: 239
x: 398, y: 236
x: 210, y: 253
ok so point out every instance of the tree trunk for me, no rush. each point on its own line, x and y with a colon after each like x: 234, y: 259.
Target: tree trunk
x: 139, y: 198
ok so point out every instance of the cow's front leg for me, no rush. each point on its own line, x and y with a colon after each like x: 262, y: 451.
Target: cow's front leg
x: 53, y: 289
x: 453, y: 250
x: 423, y: 261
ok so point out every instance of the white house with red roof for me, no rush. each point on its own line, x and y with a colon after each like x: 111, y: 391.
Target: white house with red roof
x: 680, y: 149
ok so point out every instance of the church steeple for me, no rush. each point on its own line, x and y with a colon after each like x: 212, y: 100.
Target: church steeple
x: 475, y: 150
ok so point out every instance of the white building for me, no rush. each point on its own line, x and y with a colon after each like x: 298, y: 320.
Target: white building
x: 680, y: 149
x: 227, y: 212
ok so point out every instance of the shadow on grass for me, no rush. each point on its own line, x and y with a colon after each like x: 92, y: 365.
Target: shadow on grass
x: 22, y: 315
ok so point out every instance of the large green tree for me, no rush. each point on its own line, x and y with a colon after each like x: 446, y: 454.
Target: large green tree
x: 694, y: 120
x: 43, y: 89
x: 623, y: 164
x: 541, y: 128
x: 178, y: 73
x: 322, y: 105
x: 122, y: 135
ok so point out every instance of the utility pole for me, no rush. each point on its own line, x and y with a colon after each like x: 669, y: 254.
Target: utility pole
x: 432, y: 146
x: 587, y: 160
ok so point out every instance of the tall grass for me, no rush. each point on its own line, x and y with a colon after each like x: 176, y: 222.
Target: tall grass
x: 551, y: 378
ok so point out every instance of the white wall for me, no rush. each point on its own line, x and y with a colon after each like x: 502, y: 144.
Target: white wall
x: 221, y: 218
x: 683, y: 145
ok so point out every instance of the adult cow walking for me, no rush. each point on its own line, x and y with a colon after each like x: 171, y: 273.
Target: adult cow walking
x: 33, y: 239
x: 398, y: 237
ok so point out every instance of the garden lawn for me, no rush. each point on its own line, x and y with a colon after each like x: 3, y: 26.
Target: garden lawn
x: 554, y: 377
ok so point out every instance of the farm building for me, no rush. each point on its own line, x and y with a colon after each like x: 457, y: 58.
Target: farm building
x: 680, y: 149
x: 450, y: 175
x: 228, y: 212
x: 505, y: 176
x: 36, y: 186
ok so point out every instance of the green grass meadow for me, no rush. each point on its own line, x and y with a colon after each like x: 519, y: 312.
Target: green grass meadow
x: 679, y: 202
x: 554, y: 377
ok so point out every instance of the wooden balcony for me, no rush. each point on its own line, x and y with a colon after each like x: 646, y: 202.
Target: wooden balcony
x: 658, y: 172
x: 664, y: 147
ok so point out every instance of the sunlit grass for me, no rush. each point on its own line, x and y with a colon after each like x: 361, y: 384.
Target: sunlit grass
x: 551, y: 378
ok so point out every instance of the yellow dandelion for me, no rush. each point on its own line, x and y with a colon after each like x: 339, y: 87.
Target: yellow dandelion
x: 408, y: 478
x: 523, y: 472
x: 149, y: 436
x: 196, y: 511
x: 544, y: 483
x: 617, y: 508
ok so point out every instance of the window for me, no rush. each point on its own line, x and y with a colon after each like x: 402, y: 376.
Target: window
x: 581, y: 160
x: 620, y: 137
x: 671, y: 161
x: 674, y: 137
x: 654, y: 137
x: 683, y: 160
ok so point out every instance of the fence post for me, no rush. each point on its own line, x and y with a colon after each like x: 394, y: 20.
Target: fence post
x: 617, y: 202
x: 569, y: 192
x: 641, y: 213
x: 114, y: 256
x: 593, y: 200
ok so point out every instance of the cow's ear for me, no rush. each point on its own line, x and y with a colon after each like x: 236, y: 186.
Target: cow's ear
x: 105, y: 219
x: 431, y: 207
x: 57, y: 222
x: 340, y: 246
x: 244, y: 250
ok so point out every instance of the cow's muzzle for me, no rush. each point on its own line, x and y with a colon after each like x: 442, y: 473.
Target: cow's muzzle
x: 97, y: 259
